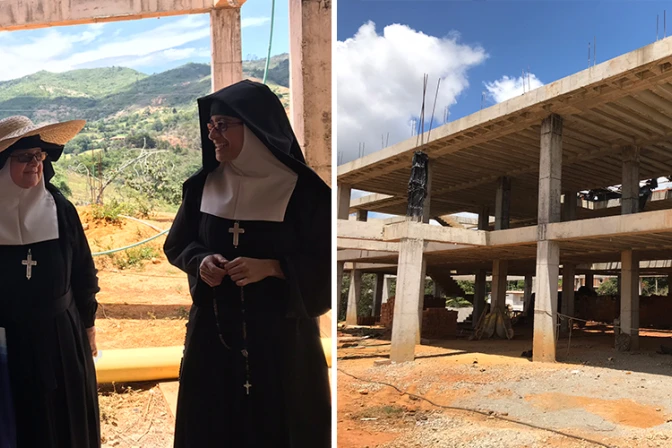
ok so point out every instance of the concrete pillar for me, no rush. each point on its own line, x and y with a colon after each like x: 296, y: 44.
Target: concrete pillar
x: 590, y: 280
x: 386, y: 289
x: 362, y: 215
x: 569, y: 206
x: 343, y: 210
x: 568, y: 275
x: 484, y: 218
x: 503, y: 203
x: 226, y: 47
x: 479, y: 296
x: 354, y: 294
x: 630, y: 181
x: 437, y: 290
x: 630, y: 298
x: 548, y: 252
x: 310, y: 81
x: 499, y: 271
x: 378, y: 295
x: 527, y: 294
x: 408, y: 301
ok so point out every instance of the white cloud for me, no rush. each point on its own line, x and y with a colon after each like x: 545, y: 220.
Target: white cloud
x: 254, y: 21
x: 507, y: 88
x: 58, y: 51
x: 380, y: 82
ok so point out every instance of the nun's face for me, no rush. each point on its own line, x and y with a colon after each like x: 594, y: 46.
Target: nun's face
x: 227, y: 133
x: 25, y: 167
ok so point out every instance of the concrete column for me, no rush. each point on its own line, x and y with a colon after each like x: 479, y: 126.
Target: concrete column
x: 619, y: 283
x: 499, y: 271
x: 378, y: 295
x: 630, y: 182
x: 408, y: 300
x: 484, y: 218
x: 630, y: 297
x: 479, y: 296
x: 503, y: 203
x: 548, y: 252
x: 386, y: 289
x: 527, y: 294
x: 437, y: 290
x: 568, y: 275
x: 590, y: 280
x: 343, y: 208
x: 569, y: 206
x: 310, y: 81
x: 354, y: 294
x: 362, y: 215
x: 227, y: 57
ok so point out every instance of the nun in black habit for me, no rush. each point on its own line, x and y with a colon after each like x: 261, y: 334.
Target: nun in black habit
x: 253, y: 234
x: 48, y: 390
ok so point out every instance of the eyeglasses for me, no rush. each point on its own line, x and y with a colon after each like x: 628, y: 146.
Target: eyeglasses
x: 29, y: 157
x: 222, y: 126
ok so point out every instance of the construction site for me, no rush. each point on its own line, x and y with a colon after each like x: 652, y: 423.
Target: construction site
x: 568, y: 185
x: 537, y: 170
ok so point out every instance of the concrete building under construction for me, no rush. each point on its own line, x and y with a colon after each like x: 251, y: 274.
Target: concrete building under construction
x: 524, y: 162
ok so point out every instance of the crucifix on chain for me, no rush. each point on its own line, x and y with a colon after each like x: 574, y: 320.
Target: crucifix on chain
x: 236, y: 230
x: 29, y: 263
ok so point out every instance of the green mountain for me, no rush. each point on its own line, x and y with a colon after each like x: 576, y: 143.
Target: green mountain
x: 95, y: 94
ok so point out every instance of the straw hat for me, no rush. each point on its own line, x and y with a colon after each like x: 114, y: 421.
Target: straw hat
x: 13, y: 129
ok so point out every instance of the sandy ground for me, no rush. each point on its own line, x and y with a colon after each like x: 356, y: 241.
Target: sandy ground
x: 145, y: 305
x: 594, y: 393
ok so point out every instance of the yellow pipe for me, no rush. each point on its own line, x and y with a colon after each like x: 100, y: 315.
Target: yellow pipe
x: 151, y: 364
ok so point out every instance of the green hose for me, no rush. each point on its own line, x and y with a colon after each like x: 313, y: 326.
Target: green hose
x: 270, y: 41
x: 108, y: 252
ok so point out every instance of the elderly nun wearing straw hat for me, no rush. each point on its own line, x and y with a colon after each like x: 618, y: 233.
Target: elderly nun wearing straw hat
x: 48, y: 393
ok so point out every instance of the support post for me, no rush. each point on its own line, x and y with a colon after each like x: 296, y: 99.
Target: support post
x: 590, y: 280
x: 503, y: 203
x: 343, y: 211
x: 548, y: 252
x: 479, y: 296
x: 499, y: 284
x: 378, y: 295
x: 629, y: 301
x: 527, y: 295
x: 408, y: 300
x: 310, y: 81
x: 569, y: 206
x: 362, y: 215
x: 484, y: 218
x: 226, y: 47
x: 354, y: 294
x: 630, y: 181
x: 568, y: 275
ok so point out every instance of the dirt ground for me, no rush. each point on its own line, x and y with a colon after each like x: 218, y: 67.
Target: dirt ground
x: 594, y: 396
x: 145, y: 304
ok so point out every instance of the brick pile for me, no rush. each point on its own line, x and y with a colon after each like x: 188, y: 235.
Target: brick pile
x: 437, y: 323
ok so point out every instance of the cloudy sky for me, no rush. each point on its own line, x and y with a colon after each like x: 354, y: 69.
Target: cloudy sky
x: 149, y: 45
x: 479, y: 50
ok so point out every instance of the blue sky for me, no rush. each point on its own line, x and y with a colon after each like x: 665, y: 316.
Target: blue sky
x: 490, y: 39
x: 149, y: 45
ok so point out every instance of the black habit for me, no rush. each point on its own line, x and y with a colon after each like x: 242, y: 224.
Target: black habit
x: 51, y: 370
x: 288, y: 405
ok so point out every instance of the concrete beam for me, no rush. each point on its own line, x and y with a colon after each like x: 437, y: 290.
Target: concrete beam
x: 367, y: 245
x: 360, y: 230
x: 610, y: 226
x: 226, y: 48
x: 32, y: 14
x: 310, y: 81
x: 428, y: 232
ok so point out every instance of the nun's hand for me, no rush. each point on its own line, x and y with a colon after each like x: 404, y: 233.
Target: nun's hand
x: 244, y: 270
x: 91, y: 335
x: 212, y: 270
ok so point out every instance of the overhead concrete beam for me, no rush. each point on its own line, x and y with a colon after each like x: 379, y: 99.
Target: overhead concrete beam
x: 368, y: 245
x: 639, y: 223
x: 32, y: 14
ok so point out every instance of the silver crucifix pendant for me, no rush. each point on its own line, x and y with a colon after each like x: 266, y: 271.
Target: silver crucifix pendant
x: 236, y: 230
x: 29, y: 263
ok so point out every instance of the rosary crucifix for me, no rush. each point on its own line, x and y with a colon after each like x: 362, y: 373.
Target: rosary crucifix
x: 29, y: 263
